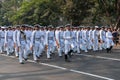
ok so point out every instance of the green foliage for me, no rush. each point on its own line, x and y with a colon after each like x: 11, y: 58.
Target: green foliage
x: 56, y: 12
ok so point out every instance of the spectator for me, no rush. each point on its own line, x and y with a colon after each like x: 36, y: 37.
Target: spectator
x: 115, y: 36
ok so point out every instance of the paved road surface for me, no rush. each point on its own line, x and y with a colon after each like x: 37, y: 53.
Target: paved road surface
x: 85, y: 66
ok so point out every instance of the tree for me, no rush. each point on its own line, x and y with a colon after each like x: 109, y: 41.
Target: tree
x: 41, y: 12
x: 45, y: 12
x: 106, y: 12
x: 76, y: 10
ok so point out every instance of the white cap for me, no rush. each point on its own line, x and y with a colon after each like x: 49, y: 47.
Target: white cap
x: 96, y: 27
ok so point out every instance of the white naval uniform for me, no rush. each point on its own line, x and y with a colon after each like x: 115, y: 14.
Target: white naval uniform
x: 15, y: 42
x: 79, y: 41
x: 90, y: 39
x: 61, y: 41
x: 37, y: 45
x: 95, y: 40
x: 68, y: 40
x: 28, y: 38
x: 59, y: 38
x: 50, y: 41
x: 9, y: 42
x: 57, y: 44
x: 103, y: 39
x: 84, y: 40
x: 74, y: 40
x: 43, y: 37
x: 2, y: 39
x: 109, y: 39
x: 21, y: 41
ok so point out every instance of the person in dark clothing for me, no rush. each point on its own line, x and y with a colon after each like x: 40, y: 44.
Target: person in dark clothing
x: 115, y: 36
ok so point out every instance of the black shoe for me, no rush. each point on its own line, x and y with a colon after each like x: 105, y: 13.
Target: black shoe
x: 69, y: 53
x: 49, y: 58
x: 111, y: 48
x: 66, y: 57
x: 25, y: 59
x: 51, y: 52
x: 8, y: 55
x: 16, y: 56
x: 108, y: 50
x: 36, y: 61
x: 41, y: 55
x: 21, y: 62
x: 67, y: 60
x: 75, y: 51
x: 38, y: 57
x: 60, y: 56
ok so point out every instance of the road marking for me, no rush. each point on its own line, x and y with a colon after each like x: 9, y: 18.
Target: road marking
x: 49, y: 65
x: 72, y: 70
x: 87, y: 55
x: 91, y: 74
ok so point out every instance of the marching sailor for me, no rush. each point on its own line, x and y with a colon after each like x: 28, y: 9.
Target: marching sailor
x: 68, y: 40
x: 2, y: 39
x: 21, y: 42
x: 50, y: 41
x: 95, y: 38
x: 16, y: 30
x: 36, y: 44
x: 109, y: 40
x: 102, y: 38
x: 9, y: 41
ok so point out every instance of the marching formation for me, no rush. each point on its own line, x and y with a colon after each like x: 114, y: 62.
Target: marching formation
x: 24, y: 40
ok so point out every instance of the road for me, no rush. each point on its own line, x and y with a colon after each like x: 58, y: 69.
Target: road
x: 85, y: 66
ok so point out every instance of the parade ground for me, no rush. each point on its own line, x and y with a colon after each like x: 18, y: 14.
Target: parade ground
x: 85, y: 66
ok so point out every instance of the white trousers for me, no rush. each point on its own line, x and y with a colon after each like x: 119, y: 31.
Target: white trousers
x: 109, y: 43
x: 51, y: 48
x: 67, y: 47
x: 84, y: 45
x: 16, y: 51
x: 95, y: 45
x: 74, y: 45
x: 61, y: 47
x: 22, y: 52
x: 1, y: 45
x: 10, y: 46
x: 37, y: 50
x: 28, y: 47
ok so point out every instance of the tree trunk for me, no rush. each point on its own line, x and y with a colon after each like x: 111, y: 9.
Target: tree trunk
x: 118, y: 14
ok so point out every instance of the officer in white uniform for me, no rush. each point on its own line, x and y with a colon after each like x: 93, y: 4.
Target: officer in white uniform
x: 58, y: 37
x: 84, y: 39
x: 68, y: 40
x: 90, y: 39
x: 61, y: 41
x: 74, y: 39
x: 21, y: 42
x: 9, y: 41
x: 42, y: 38
x: 28, y: 33
x: 95, y: 34
x: 79, y: 40
x: 109, y: 40
x: 36, y: 44
x: 102, y: 34
x: 2, y: 39
x: 50, y: 42
x: 15, y: 40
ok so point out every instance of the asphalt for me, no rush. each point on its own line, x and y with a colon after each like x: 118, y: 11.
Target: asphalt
x: 85, y: 66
